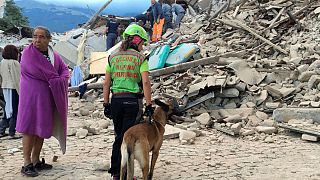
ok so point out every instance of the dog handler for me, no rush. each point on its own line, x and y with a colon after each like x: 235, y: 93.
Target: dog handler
x: 127, y: 75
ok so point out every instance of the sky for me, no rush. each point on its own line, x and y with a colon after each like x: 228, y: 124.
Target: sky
x: 116, y: 6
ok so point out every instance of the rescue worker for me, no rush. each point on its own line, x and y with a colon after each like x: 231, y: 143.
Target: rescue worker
x: 158, y: 20
x: 167, y: 13
x: 144, y: 17
x: 178, y: 10
x: 127, y: 77
x: 112, y: 31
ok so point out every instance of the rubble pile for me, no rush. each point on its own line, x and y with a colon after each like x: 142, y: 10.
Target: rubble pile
x: 250, y: 75
x: 253, y: 59
x: 14, y: 40
x: 266, y: 61
x: 86, y: 119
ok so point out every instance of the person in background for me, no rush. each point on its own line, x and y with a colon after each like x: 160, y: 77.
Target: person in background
x: 129, y: 83
x: 2, y: 107
x: 9, y: 82
x: 112, y: 31
x: 150, y: 16
x: 140, y: 18
x: 178, y: 10
x: 43, y: 102
x: 144, y: 17
x: 158, y: 20
x: 167, y: 13
x: 183, y: 3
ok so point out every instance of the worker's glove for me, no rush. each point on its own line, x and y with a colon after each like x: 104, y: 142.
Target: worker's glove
x: 149, y: 110
x: 107, y: 110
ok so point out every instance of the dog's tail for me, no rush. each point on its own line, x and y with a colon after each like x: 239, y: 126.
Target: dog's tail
x: 124, y: 160
x: 127, y: 161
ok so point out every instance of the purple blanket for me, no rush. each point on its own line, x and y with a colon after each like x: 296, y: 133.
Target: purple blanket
x: 43, y: 101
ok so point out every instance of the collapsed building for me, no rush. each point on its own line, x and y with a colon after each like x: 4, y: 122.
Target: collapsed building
x: 247, y: 67
x: 255, y: 63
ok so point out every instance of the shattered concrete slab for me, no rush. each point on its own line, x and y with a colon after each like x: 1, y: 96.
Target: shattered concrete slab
x: 203, y: 118
x: 279, y: 92
x: 285, y: 114
x: 245, y: 73
x: 68, y: 52
x: 228, y: 93
x: 172, y: 132
x: 266, y: 130
x: 308, y: 137
x: 67, y: 45
x: 221, y: 113
x: 195, y: 88
x: 216, y: 81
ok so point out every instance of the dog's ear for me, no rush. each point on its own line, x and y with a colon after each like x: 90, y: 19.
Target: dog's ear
x: 163, y: 105
x: 176, y: 108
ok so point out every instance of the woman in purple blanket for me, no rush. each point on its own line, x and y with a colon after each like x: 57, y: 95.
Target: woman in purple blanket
x: 43, y: 100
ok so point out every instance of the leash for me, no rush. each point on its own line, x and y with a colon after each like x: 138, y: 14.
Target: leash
x: 159, y: 123
x: 150, y: 119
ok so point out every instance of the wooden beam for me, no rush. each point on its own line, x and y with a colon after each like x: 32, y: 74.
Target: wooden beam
x: 277, y: 17
x: 236, y: 11
x: 218, y: 12
x: 287, y: 18
x: 194, y: 3
x: 176, y: 68
x: 89, y: 25
x: 241, y: 25
x: 209, y: 10
x: 195, y: 63
x: 294, y: 18
x: 184, y: 66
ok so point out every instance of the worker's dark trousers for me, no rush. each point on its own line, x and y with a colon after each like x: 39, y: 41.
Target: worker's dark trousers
x: 111, y: 40
x: 126, y: 111
x: 178, y: 20
x: 11, y: 122
x: 167, y: 24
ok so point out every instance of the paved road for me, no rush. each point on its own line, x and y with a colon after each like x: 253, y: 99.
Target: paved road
x: 213, y: 156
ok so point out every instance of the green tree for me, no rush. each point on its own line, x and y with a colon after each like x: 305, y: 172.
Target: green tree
x: 13, y: 17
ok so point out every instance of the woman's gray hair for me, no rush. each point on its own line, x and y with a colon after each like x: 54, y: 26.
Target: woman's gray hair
x: 46, y: 30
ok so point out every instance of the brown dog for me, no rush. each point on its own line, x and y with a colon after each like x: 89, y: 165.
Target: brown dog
x: 140, y: 139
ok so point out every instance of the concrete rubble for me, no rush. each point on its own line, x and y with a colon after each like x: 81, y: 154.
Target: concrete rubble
x: 101, y: 165
x: 268, y: 65
x: 260, y: 94
x: 260, y: 59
